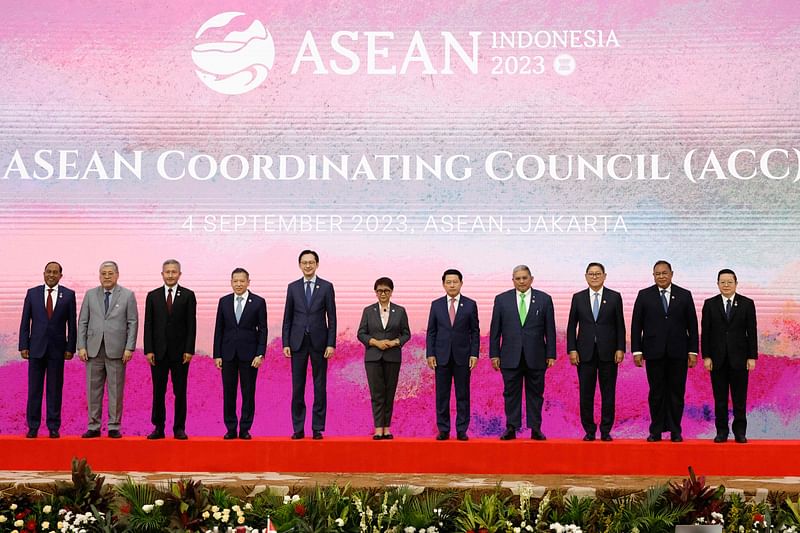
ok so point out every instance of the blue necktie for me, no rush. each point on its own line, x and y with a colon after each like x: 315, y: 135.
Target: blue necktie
x: 664, y: 300
x: 107, y: 300
x: 238, y: 308
x: 308, y: 293
x: 596, y: 306
x: 728, y: 309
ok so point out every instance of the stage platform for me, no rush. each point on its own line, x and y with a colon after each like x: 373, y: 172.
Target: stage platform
x: 410, y: 455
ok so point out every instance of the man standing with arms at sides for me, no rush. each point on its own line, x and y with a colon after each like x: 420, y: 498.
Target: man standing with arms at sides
x: 309, y: 332
x: 240, y: 341
x: 596, y: 345
x: 522, y: 347
x: 170, y: 327
x: 47, y: 334
x: 730, y: 349
x: 107, y: 328
x: 453, y: 344
x: 664, y: 333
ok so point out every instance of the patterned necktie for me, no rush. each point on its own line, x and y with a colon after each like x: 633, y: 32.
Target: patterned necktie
x: 107, y: 300
x: 728, y: 309
x: 238, y: 308
x: 664, y: 300
x: 452, y: 311
x: 49, y: 304
x: 169, y: 300
x: 308, y: 293
x: 523, y: 311
x: 596, y: 306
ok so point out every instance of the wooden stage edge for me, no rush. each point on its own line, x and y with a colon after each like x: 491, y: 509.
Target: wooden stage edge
x: 405, y: 455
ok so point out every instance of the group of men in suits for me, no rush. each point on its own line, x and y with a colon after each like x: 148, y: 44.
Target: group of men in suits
x: 664, y: 338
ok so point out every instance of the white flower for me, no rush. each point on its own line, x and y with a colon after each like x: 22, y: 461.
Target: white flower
x: 19, y: 523
x: 60, y: 525
x: 340, y: 522
x: 295, y: 498
x: 45, y: 525
x: 46, y: 509
x: 159, y: 503
x: 409, y: 529
x: 225, y: 517
x: 287, y: 499
x: 248, y: 506
x: 2, y: 519
x: 13, y: 507
x: 529, y: 528
x: 206, y: 514
x: 147, y: 507
x: 517, y: 530
x: 236, y: 508
x: 214, y: 509
x: 240, y: 520
x: 217, y: 515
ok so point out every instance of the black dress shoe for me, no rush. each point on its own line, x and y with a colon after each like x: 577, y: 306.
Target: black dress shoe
x: 114, y: 434
x: 181, y: 435
x: 156, y: 434
x: 510, y: 434
x: 377, y: 437
x: 229, y: 435
x: 721, y: 438
x: 462, y: 437
x: 297, y: 435
x: 443, y: 435
x: 54, y: 434
x: 318, y: 435
x: 588, y: 437
x: 654, y: 438
x: 741, y: 439
x: 32, y: 433
x: 91, y: 434
x: 605, y: 437
x: 245, y: 435
x: 386, y: 436
x: 676, y: 438
x: 538, y: 435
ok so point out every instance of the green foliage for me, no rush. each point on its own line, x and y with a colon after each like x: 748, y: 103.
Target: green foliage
x: 186, y: 500
x: 488, y: 515
x: 651, y: 512
x: 431, y: 508
x: 86, y: 491
x: 702, y: 498
x: 145, y: 507
x: 793, y: 516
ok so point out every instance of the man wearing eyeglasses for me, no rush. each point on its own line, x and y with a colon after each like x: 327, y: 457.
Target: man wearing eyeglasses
x: 309, y: 332
x: 596, y: 346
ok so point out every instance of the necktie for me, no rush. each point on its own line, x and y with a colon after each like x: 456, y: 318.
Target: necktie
x: 664, y: 300
x: 50, y: 304
x: 596, y: 306
x: 523, y: 311
x: 308, y: 293
x: 169, y: 300
x: 238, y: 308
x: 728, y: 309
x: 452, y: 311
x: 107, y: 300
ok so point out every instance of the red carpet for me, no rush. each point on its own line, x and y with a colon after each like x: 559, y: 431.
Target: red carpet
x: 348, y: 454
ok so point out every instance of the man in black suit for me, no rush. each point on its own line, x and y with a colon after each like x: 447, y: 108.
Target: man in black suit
x: 453, y: 344
x: 170, y: 327
x: 596, y: 345
x: 664, y: 333
x: 240, y: 341
x: 730, y: 349
x: 309, y: 332
x: 523, y: 345
x: 47, y: 336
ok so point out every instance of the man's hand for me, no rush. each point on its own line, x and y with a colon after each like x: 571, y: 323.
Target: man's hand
x: 638, y: 359
x: 218, y: 362
x: 692, y: 360
x: 619, y: 355
x: 574, y: 358
x: 83, y: 355
x: 329, y: 352
x: 257, y: 361
x: 151, y: 358
x: 550, y: 362
x: 126, y: 356
x: 68, y: 356
x: 473, y: 362
x: 25, y: 353
x: 287, y: 352
x: 186, y: 358
x: 431, y: 362
x: 496, y: 363
x: 708, y: 364
x: 751, y: 364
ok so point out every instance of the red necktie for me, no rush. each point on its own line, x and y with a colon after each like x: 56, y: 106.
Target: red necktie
x: 49, y: 304
x: 169, y: 301
x: 452, y: 311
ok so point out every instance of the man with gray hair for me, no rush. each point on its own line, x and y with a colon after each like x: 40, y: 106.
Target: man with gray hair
x: 107, y: 329
x: 522, y: 345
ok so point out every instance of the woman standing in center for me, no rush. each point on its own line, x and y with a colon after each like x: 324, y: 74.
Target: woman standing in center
x: 383, y: 330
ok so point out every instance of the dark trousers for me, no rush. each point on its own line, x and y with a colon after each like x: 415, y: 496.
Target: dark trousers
x: 242, y: 373
x: 52, y: 366
x: 160, y: 374
x: 319, y: 372
x: 382, y: 377
x: 726, y: 379
x: 589, y: 373
x: 446, y: 376
x: 667, y: 380
x: 534, y: 395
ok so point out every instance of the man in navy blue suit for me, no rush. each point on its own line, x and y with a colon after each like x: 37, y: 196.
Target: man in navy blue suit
x: 47, y: 336
x: 596, y: 346
x: 664, y: 333
x: 522, y: 346
x: 240, y: 341
x: 309, y: 332
x: 452, y: 347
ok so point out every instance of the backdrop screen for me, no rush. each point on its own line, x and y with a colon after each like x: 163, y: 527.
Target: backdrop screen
x: 400, y: 139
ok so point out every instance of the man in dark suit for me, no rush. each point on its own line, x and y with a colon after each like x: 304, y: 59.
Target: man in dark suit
x: 309, y: 332
x: 452, y: 347
x: 47, y: 334
x: 596, y: 345
x: 170, y: 327
x: 240, y: 341
x: 523, y: 345
x: 730, y: 349
x: 664, y: 333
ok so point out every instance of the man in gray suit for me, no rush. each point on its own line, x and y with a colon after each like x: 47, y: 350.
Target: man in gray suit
x: 107, y: 329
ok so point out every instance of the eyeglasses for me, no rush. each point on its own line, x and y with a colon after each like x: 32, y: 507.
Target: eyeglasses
x: 383, y: 291
x: 594, y: 274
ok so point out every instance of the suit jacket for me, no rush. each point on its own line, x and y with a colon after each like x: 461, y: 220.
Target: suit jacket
x: 462, y: 339
x: 371, y: 327
x: 734, y: 340
x: 43, y: 336
x: 319, y: 319
x: 118, y: 328
x: 244, y: 340
x: 508, y: 339
x: 608, y: 332
x: 657, y: 335
x: 170, y: 335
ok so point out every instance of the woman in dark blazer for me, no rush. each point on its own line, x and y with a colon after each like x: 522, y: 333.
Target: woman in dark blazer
x: 383, y: 330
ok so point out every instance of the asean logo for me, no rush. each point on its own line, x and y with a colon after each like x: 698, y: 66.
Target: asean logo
x: 237, y: 64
